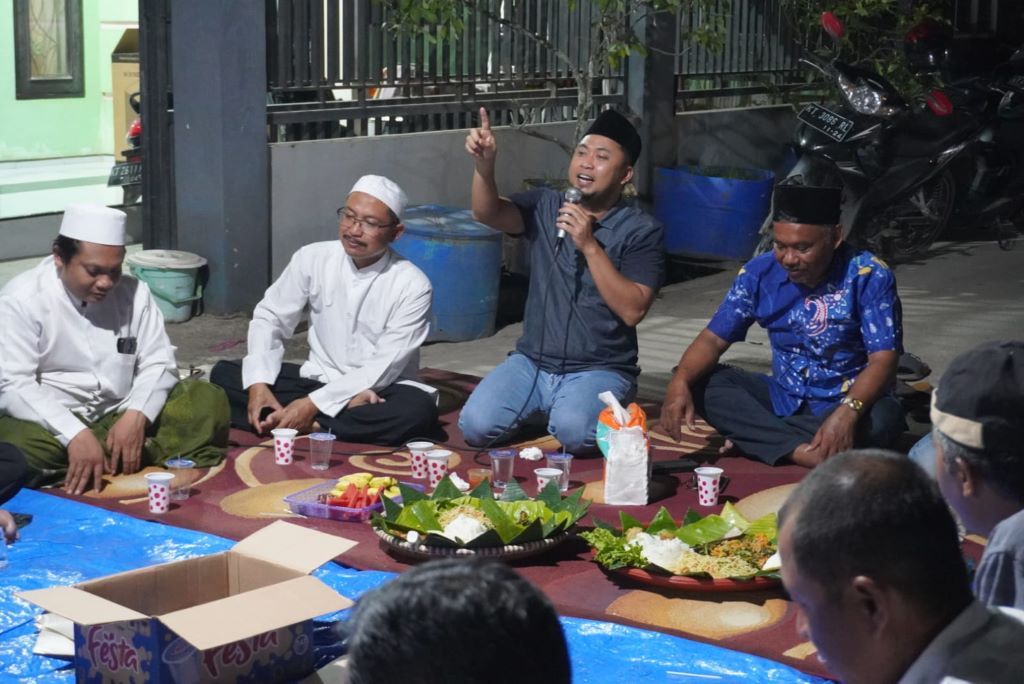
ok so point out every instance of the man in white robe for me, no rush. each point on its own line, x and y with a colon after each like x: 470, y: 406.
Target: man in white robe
x: 87, y: 370
x: 369, y: 312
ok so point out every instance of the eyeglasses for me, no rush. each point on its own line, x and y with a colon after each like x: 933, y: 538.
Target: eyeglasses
x: 346, y: 215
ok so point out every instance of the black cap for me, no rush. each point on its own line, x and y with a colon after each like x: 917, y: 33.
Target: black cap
x: 980, y: 401
x: 806, y: 204
x: 613, y: 125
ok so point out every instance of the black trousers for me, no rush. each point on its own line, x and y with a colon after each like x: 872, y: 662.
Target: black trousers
x: 13, y: 471
x: 738, y: 404
x: 406, y: 412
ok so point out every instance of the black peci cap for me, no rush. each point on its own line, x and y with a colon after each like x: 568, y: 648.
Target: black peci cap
x: 980, y: 401
x: 613, y: 125
x: 806, y: 204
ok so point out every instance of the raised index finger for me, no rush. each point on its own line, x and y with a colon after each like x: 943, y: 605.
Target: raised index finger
x: 485, y: 120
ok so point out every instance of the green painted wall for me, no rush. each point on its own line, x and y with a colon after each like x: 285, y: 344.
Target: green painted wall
x: 65, y: 127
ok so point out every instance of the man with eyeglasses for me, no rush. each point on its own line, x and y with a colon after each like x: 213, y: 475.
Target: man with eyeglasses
x: 369, y: 312
x: 834, y: 321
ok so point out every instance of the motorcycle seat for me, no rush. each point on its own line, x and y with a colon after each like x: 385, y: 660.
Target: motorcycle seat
x: 926, y: 135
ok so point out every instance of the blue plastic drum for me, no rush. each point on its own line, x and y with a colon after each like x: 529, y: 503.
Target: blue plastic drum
x: 712, y: 212
x: 462, y: 259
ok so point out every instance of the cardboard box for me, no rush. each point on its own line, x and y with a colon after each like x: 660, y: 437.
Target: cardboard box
x: 243, y: 615
x: 124, y: 81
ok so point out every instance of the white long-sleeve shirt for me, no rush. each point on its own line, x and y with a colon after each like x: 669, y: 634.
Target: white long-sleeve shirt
x: 59, y: 359
x: 365, y: 325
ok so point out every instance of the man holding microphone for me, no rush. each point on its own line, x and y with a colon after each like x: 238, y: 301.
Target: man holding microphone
x: 596, y: 263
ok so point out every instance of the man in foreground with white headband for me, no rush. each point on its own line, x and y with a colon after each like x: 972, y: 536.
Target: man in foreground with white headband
x: 369, y: 312
x: 88, y: 380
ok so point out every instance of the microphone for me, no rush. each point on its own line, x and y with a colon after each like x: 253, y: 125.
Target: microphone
x: 572, y: 196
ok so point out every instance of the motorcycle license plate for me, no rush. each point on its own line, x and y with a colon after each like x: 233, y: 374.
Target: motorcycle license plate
x: 828, y: 122
x: 125, y: 173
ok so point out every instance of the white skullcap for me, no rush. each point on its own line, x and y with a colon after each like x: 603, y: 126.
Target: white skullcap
x: 93, y: 223
x: 384, y: 189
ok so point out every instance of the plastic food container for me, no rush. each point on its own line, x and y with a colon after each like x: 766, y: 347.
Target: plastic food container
x: 307, y: 503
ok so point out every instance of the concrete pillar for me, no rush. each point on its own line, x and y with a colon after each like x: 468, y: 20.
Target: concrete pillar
x: 220, y: 145
x: 650, y: 93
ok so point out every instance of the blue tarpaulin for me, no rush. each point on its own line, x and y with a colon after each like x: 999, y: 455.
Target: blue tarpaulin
x: 70, y: 542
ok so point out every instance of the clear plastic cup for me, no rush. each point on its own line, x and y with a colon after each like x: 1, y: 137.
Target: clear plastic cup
x: 418, y: 457
x: 477, y: 475
x: 184, y: 473
x: 321, y: 444
x: 563, y: 463
x: 284, y: 445
x: 503, y: 463
x: 708, y: 483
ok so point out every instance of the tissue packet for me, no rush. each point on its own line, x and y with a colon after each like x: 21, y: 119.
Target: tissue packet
x: 627, y: 465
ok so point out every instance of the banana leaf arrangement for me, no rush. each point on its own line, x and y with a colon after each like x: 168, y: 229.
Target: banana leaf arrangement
x: 748, y: 546
x: 515, y: 518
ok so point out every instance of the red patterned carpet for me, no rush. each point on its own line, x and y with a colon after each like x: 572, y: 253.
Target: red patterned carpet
x: 246, y: 492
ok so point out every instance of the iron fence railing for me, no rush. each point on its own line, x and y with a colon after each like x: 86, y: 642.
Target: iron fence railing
x: 335, y: 68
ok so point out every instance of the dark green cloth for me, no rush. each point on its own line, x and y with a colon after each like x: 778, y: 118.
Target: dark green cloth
x: 193, y: 424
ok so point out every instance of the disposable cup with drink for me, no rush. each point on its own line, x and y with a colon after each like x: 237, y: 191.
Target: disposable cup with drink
x: 320, y: 446
x: 437, y: 465
x: 159, y: 486
x: 183, y: 470
x: 284, y: 445
x: 709, y: 481
x: 418, y: 456
x: 503, y: 463
x: 563, y: 463
x: 546, y: 475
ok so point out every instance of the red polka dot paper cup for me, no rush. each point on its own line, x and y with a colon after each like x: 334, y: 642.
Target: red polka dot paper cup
x: 708, y: 480
x: 437, y: 465
x: 159, y: 485
x: 418, y: 455
x: 284, y: 445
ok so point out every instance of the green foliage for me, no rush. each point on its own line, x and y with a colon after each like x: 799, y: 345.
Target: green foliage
x: 874, y: 34
x: 611, y: 551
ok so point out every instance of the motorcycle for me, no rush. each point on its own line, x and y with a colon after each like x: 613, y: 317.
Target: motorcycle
x: 902, y: 165
x: 128, y: 173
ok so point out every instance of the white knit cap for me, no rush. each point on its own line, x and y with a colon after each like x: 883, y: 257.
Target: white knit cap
x: 93, y: 223
x: 384, y: 189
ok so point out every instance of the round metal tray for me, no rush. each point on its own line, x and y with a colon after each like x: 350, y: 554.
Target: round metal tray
x: 508, y: 552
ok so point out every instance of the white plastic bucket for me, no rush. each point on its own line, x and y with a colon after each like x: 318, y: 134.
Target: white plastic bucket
x: 171, y: 277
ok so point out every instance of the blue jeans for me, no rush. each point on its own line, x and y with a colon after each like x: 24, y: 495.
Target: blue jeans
x: 503, y: 400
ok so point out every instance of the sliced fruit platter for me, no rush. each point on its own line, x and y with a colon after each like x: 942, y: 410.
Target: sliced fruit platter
x: 723, y: 552
x: 351, y: 498
x: 360, y: 489
x: 453, y: 523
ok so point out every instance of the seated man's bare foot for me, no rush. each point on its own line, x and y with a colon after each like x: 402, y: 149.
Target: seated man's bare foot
x: 729, y: 449
x: 804, y: 456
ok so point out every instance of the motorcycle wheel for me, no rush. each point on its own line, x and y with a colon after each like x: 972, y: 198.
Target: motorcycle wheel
x: 905, y: 230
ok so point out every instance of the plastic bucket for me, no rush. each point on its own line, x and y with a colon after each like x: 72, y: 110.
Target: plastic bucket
x: 171, y: 277
x: 712, y: 212
x: 462, y: 259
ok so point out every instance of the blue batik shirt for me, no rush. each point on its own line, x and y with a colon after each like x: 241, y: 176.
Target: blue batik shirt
x: 820, y: 337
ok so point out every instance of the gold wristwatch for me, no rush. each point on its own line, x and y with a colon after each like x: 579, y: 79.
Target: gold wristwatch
x: 856, y: 404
